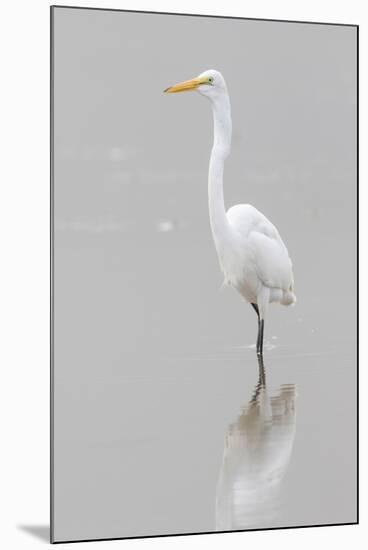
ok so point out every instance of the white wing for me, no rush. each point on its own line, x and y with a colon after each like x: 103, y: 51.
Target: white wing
x: 261, y: 238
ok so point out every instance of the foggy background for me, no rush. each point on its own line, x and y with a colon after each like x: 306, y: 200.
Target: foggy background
x: 153, y: 360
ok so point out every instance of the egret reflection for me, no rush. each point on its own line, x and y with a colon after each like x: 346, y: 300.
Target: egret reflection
x: 257, y: 451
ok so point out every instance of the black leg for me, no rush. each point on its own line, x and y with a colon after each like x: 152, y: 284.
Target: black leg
x: 260, y: 337
x: 258, y: 334
x: 260, y: 330
x: 255, y: 307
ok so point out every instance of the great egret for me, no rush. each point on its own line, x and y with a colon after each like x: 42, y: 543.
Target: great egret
x: 252, y: 255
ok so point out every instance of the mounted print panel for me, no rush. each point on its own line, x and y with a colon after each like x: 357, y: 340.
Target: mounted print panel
x: 204, y: 274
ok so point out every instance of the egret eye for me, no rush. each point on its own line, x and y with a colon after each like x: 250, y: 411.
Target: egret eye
x: 210, y: 79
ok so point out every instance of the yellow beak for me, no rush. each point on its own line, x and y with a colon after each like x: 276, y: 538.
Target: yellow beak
x: 186, y: 86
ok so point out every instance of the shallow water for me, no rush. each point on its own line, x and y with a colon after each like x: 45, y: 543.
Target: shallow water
x: 162, y: 422
x: 157, y: 426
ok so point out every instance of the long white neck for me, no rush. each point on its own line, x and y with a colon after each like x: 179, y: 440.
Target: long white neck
x: 220, y: 226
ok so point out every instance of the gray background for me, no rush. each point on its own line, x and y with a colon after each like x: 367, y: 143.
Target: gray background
x: 153, y: 360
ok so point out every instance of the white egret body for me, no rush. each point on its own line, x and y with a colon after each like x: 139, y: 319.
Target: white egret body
x: 252, y: 255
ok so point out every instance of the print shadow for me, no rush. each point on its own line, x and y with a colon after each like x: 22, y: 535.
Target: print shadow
x: 41, y: 532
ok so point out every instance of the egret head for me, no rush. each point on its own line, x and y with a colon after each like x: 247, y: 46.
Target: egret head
x: 210, y: 83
